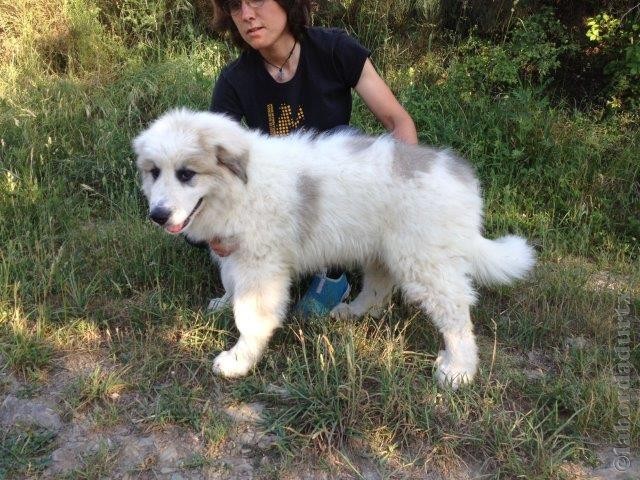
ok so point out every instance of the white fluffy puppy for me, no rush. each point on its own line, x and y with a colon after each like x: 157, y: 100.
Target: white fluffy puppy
x: 277, y: 206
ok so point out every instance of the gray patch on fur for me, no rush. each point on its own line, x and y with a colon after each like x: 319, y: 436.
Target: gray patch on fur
x: 237, y: 164
x: 358, y: 143
x: 409, y: 160
x: 461, y: 168
x: 308, y: 190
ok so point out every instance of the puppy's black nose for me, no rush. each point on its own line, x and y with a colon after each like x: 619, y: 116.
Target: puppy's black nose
x: 160, y: 215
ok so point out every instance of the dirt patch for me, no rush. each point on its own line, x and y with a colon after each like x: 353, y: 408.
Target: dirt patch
x: 134, y: 448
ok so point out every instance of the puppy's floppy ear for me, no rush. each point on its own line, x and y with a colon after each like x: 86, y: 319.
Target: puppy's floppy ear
x: 237, y: 162
x: 138, y: 143
x: 227, y: 142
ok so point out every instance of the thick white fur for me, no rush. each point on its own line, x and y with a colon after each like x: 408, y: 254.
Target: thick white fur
x: 411, y: 216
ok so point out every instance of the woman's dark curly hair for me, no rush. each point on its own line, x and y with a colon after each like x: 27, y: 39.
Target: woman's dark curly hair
x: 298, y: 19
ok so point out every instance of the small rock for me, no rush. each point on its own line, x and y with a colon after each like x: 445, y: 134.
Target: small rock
x: 246, y: 412
x: 108, y: 443
x: 168, y: 455
x: 8, y: 384
x: 242, y: 469
x: 137, y: 452
x: 534, y: 374
x: 577, y: 343
x: 540, y: 361
x: 15, y: 411
x: 267, y: 441
x: 65, y: 458
x: 247, y: 438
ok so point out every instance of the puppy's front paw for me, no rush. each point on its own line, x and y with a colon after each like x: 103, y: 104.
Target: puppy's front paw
x: 342, y: 311
x: 452, y: 372
x: 232, y: 363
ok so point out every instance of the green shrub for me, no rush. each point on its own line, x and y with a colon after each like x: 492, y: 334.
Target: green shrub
x: 618, y: 39
x: 529, y: 54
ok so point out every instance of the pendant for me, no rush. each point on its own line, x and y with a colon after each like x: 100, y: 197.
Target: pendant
x: 280, y: 75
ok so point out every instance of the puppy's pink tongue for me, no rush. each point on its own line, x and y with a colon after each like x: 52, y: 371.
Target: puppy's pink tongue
x: 174, y: 228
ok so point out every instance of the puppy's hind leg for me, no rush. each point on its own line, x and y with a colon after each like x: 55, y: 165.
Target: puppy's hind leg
x: 446, y: 295
x: 377, y: 285
x: 259, y: 305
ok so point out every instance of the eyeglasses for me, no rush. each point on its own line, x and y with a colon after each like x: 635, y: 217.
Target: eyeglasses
x: 233, y: 7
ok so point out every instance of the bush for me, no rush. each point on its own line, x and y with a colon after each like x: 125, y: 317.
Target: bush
x: 618, y: 39
x: 529, y: 54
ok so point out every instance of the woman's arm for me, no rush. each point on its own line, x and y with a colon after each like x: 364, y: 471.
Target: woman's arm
x: 383, y: 104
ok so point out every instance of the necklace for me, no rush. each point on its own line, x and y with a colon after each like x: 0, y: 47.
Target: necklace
x: 280, y: 76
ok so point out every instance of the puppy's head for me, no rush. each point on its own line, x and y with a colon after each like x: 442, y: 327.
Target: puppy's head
x: 187, y: 159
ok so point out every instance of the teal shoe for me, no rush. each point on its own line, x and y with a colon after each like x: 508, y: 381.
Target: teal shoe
x: 324, y: 293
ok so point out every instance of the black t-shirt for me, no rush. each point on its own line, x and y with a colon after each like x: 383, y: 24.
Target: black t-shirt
x: 318, y: 96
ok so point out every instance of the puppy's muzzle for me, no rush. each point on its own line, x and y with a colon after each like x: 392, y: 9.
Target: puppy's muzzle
x: 160, y: 215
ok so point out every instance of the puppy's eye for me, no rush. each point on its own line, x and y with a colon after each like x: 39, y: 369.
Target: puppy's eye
x: 155, y: 172
x: 184, y: 174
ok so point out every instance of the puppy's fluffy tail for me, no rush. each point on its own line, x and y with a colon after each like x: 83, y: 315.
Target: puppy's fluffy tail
x: 502, y: 260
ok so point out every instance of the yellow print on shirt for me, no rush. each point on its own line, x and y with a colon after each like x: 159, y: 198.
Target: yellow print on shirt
x: 285, y: 123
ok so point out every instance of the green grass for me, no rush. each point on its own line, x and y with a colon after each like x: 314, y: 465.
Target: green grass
x: 81, y: 270
x: 25, y: 347
x: 24, y: 451
x: 346, y: 382
x: 190, y: 405
x: 94, y: 466
x: 98, y: 386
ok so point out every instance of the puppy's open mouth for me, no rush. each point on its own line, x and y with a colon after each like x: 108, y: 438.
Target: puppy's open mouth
x: 175, y: 229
